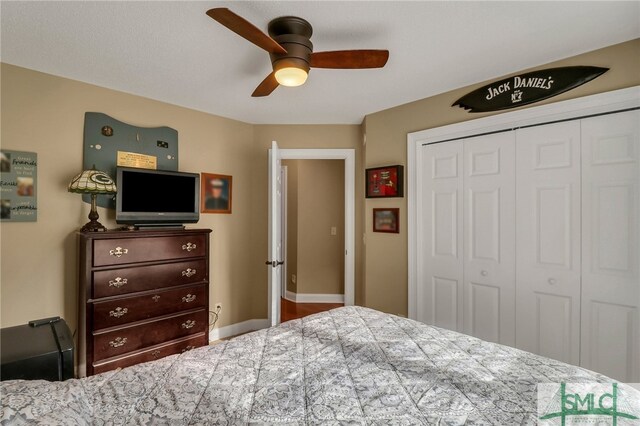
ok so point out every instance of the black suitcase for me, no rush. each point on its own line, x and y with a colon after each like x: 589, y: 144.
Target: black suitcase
x: 43, y: 350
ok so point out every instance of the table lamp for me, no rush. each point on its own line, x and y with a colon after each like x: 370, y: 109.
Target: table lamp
x: 93, y: 182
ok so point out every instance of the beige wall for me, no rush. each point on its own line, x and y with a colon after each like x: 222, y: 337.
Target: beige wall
x: 315, y: 204
x: 45, y: 114
x: 386, y: 144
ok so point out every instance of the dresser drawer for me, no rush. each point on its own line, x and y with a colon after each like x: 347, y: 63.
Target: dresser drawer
x: 152, y: 354
x: 134, y: 337
x: 119, y: 251
x: 128, y: 280
x: 117, y: 312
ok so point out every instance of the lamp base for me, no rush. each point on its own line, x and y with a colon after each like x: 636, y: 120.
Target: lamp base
x: 93, y: 225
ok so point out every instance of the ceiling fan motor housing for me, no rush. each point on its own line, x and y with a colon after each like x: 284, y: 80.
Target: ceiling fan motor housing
x: 293, y: 34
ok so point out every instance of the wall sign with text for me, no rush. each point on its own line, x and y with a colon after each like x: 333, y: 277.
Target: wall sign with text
x: 18, y: 178
x: 527, y: 88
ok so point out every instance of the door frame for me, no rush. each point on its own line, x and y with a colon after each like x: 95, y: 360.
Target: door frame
x: 565, y: 110
x: 284, y: 231
x: 349, y: 157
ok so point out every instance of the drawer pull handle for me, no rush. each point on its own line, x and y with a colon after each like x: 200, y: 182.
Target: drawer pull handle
x: 118, y: 251
x: 188, y: 272
x: 155, y: 353
x: 118, y: 312
x: 189, y: 247
x: 189, y: 298
x: 552, y: 281
x: 156, y: 298
x: 119, y: 341
x: 118, y: 282
x: 188, y: 324
x: 188, y: 348
x: 484, y: 273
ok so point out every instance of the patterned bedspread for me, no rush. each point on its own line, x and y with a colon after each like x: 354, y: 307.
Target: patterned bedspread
x: 349, y: 365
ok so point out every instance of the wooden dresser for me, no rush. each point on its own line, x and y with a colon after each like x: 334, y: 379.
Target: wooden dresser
x: 143, y: 295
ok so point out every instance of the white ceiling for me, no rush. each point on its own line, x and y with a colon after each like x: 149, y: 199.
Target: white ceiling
x: 173, y: 52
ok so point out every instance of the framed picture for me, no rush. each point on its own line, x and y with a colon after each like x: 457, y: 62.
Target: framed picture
x: 386, y: 220
x: 18, y: 173
x: 382, y: 182
x: 216, y: 191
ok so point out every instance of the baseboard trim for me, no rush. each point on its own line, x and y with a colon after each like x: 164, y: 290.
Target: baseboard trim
x: 290, y: 296
x: 314, y: 298
x: 238, y: 328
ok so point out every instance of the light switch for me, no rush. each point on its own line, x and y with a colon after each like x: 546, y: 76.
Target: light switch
x: 334, y: 230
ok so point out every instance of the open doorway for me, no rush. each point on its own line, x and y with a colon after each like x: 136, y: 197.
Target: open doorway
x: 312, y: 236
x: 275, y: 254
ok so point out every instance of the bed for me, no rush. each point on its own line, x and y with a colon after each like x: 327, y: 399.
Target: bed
x: 350, y: 365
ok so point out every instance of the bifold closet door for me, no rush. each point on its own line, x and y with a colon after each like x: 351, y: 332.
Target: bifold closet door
x: 489, y: 237
x: 440, y: 294
x: 548, y: 240
x: 610, y: 245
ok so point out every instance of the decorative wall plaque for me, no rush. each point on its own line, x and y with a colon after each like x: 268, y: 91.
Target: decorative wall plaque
x: 382, y: 182
x: 525, y: 89
x: 109, y: 142
x: 18, y: 179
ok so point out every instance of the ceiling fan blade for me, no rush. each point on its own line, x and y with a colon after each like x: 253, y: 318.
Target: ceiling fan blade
x: 245, y: 29
x: 267, y: 86
x: 350, y: 59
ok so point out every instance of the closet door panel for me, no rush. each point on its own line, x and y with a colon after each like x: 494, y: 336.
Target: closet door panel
x: 610, y: 245
x: 548, y: 240
x: 489, y: 237
x: 440, y: 294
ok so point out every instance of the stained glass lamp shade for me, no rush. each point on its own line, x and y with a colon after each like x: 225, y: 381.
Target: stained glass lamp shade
x: 93, y: 182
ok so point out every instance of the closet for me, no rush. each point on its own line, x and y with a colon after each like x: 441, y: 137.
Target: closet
x: 530, y: 238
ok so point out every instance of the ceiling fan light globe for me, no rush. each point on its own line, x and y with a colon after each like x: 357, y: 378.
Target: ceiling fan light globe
x: 291, y: 76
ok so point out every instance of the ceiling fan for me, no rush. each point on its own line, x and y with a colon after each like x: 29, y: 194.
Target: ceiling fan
x: 291, y: 50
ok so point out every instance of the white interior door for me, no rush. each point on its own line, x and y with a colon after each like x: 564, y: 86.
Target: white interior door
x: 440, y: 293
x: 275, y: 261
x: 489, y: 237
x: 548, y: 240
x: 610, y: 245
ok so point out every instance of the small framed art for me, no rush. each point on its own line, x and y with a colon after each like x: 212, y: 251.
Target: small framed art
x: 18, y: 173
x: 382, y: 182
x: 386, y: 220
x: 216, y: 191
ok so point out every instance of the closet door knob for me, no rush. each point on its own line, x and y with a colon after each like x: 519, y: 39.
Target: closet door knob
x: 484, y: 273
x: 552, y: 281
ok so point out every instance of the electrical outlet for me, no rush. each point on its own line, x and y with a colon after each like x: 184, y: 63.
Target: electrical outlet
x: 163, y: 144
x: 334, y: 230
x: 293, y: 278
x: 218, y: 306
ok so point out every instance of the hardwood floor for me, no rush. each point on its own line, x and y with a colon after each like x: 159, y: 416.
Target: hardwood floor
x: 290, y: 310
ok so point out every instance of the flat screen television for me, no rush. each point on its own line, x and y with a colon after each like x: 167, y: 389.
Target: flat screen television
x: 156, y: 197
